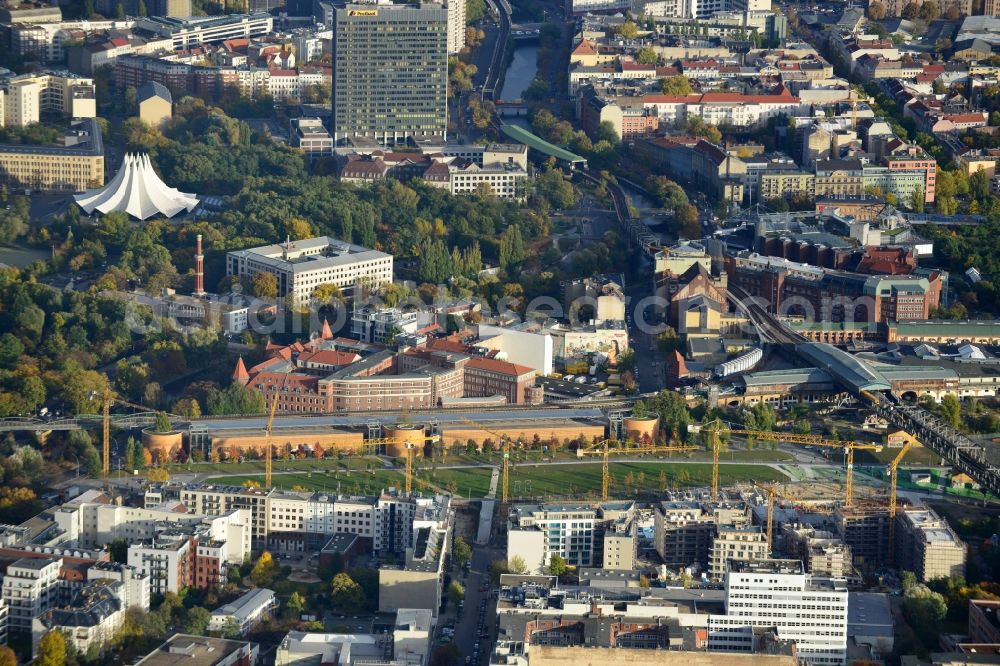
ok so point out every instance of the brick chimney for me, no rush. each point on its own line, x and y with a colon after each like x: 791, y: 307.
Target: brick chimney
x: 199, y: 270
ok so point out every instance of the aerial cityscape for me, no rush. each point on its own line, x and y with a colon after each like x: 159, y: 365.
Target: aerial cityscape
x: 499, y: 332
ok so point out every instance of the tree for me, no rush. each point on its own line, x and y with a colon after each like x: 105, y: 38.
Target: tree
x: 557, y: 565
x: 141, y: 9
x: 51, y: 649
x: 676, y: 85
x: 264, y: 285
x: 929, y: 10
x: 924, y: 610
x: 911, y: 10
x: 455, y: 592
x: 263, y: 570
x: 196, y: 621
x: 461, y: 551
x: 876, y: 10
x: 162, y: 423
x: 230, y: 628
x: 511, y: 247
x: 295, y: 605
x: 346, y: 594
x: 907, y: 580
x: 158, y: 475
x: 917, y: 201
x: 687, y: 222
x: 645, y: 56
x: 497, y: 569
x: 951, y: 410
x: 516, y: 565
x: 328, y: 294
x: 628, y: 30
x: 120, y: 11
x: 297, y: 228
x: 7, y: 656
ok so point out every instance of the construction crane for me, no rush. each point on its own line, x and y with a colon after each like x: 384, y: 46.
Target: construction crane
x: 409, y: 467
x: 603, y: 449
x: 504, y: 466
x: 849, y: 448
x: 268, y: 464
x: 772, y: 490
x: 893, y: 474
x: 107, y: 399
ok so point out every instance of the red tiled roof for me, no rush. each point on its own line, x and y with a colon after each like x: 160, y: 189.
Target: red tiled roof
x: 584, y: 48
x: 503, y: 367
x: 966, y: 118
x: 329, y: 357
x: 285, y: 380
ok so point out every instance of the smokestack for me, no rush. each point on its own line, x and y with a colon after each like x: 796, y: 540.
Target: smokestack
x: 199, y: 270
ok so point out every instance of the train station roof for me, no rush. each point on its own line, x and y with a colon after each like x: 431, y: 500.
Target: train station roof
x: 850, y: 372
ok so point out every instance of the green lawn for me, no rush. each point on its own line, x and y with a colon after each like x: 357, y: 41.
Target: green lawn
x: 915, y: 456
x: 528, y: 480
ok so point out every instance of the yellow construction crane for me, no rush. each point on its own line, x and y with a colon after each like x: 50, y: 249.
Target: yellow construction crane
x: 893, y: 474
x: 409, y: 467
x: 603, y: 449
x: 107, y: 399
x: 792, y: 438
x: 268, y: 464
x: 772, y: 490
x: 505, y: 464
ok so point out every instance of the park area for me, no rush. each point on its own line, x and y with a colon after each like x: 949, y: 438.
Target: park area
x: 549, y: 481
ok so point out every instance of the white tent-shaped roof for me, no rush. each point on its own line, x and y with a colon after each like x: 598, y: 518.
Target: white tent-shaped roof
x: 138, y: 191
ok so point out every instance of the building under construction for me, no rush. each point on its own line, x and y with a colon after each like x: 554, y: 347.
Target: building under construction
x: 866, y: 531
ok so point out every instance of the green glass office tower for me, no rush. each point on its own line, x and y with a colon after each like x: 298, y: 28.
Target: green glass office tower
x: 390, y: 76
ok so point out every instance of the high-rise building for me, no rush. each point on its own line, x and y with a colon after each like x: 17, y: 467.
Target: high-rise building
x: 390, y: 79
x: 456, y: 26
x: 809, y: 610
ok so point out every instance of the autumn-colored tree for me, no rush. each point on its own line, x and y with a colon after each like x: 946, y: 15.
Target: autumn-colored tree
x: 264, y: 285
x: 7, y: 656
x: 51, y: 649
x: 317, y: 451
x: 263, y: 570
x: 158, y: 475
x: 250, y: 483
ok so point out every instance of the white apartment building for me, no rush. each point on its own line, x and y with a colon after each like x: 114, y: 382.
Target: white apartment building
x: 166, y: 559
x: 736, y: 543
x: 30, y: 587
x: 44, y: 41
x: 567, y: 531
x: 89, y: 525
x: 376, y: 325
x: 810, y: 610
x: 394, y: 516
x: 92, y: 617
x: 135, y: 584
x: 302, y: 266
x: 247, y: 611
x: 456, y: 26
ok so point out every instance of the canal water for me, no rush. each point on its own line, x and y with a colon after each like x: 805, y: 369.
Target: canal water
x: 521, y: 72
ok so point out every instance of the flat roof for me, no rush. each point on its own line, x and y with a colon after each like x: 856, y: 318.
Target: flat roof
x: 293, y: 255
x: 187, y: 650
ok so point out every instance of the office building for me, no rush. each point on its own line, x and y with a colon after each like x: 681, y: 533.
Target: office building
x: 303, y: 265
x: 390, y: 79
x: 806, y: 609
x: 309, y: 135
x: 73, y: 167
x: 736, y: 543
x: 30, y: 587
x: 191, y: 31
